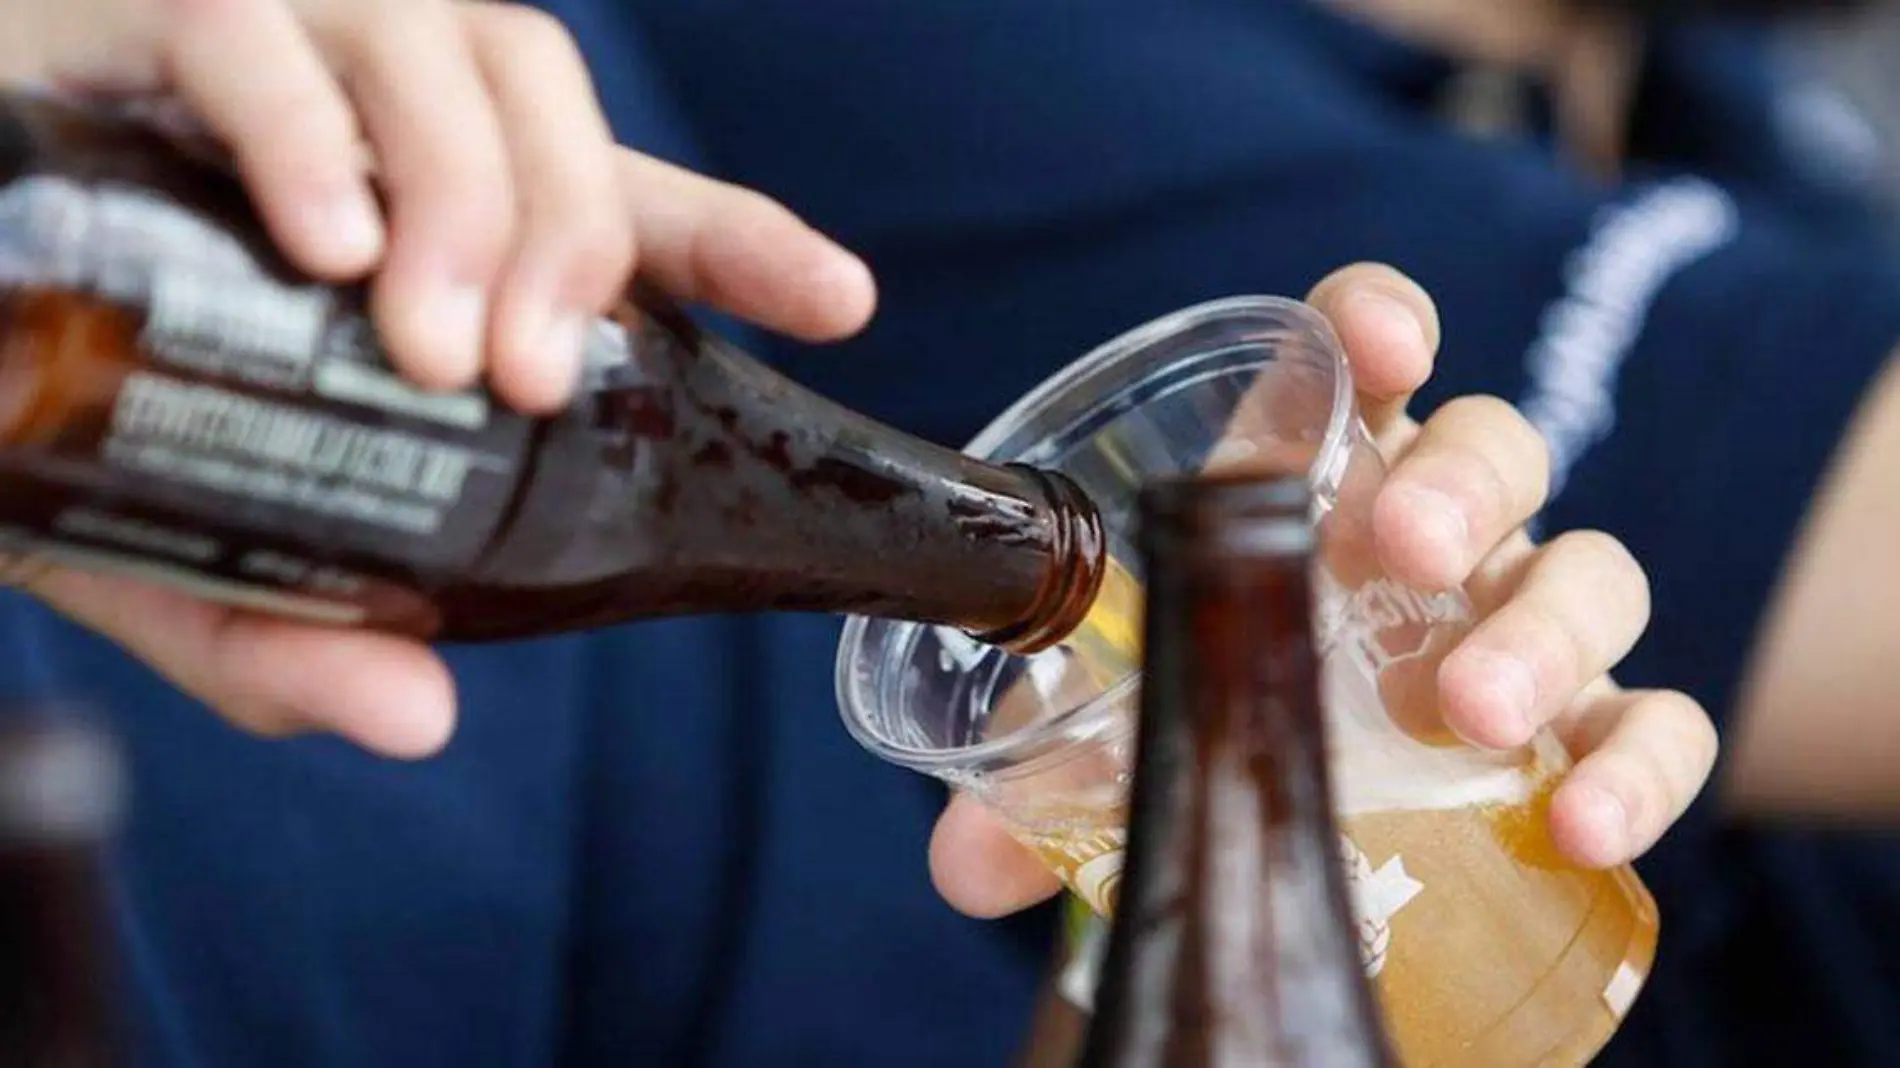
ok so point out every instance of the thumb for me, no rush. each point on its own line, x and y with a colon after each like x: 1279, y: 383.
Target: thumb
x: 265, y: 675
x: 979, y: 869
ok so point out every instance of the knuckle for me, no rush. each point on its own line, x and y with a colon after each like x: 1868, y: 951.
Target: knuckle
x: 603, y: 259
x: 592, y: 261
x: 1680, y: 744
x: 1615, y: 577
x: 1553, y: 641
x: 604, y: 237
x: 1501, y: 433
x: 312, y: 131
x: 1367, y: 274
x: 1528, y: 442
x: 374, y: 33
x: 475, y: 225
x: 1476, y: 408
x: 757, y: 205
x: 1648, y: 790
x: 742, y: 215
x: 530, y: 33
x: 1695, y: 734
x: 592, y: 250
x: 179, y: 14
x: 436, y: 13
x: 1652, y: 802
x: 1457, y: 433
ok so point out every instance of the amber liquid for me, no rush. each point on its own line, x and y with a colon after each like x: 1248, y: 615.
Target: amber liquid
x: 1106, y: 645
x: 1073, y: 815
x: 1547, y: 985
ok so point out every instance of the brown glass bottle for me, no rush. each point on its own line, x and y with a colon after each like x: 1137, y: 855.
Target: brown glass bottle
x: 59, y: 806
x: 1234, y: 942
x: 176, y: 403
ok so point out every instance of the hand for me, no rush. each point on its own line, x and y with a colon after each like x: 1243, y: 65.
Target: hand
x: 512, y: 218
x: 1554, y: 619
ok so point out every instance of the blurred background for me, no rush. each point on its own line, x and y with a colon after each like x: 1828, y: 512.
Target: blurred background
x: 655, y: 846
x: 1856, y: 57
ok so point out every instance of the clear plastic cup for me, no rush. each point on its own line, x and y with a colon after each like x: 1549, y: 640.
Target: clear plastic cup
x: 1486, y: 947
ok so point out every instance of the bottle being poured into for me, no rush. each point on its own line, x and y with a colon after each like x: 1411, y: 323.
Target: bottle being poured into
x: 178, y: 405
x: 1234, y: 943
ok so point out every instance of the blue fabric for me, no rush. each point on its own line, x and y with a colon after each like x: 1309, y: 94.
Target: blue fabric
x: 656, y: 846
x: 1088, y: 166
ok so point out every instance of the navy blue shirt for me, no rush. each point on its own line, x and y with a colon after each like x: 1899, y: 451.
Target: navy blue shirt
x: 656, y: 846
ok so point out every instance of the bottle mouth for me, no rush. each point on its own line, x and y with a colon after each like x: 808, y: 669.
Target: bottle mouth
x: 1148, y: 405
x: 1228, y: 515
x: 1080, y: 555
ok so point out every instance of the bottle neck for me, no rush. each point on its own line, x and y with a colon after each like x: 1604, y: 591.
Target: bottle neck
x: 1077, y: 561
x: 1234, y: 941
x: 804, y: 504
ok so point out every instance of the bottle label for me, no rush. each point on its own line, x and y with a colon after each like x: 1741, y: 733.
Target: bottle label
x: 158, y: 373
x: 1099, y: 880
x: 1377, y: 896
x: 1381, y: 643
x: 338, y: 611
x: 1381, y: 623
x: 321, y: 464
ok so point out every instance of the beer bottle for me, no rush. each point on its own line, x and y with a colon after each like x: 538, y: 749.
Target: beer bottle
x: 1233, y: 943
x: 178, y: 404
x: 59, y: 805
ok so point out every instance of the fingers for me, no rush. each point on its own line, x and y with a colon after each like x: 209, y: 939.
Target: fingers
x: 1650, y: 753
x: 1476, y: 471
x: 1389, y: 327
x: 979, y: 869
x: 511, y: 215
x: 287, y: 96
x: 1581, y: 604
x: 573, y: 247
x: 269, y: 676
x: 444, y: 169
x: 255, y: 79
x: 708, y: 241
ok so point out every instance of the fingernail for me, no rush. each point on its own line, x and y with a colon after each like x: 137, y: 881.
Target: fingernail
x: 558, y: 355
x: 1396, y: 320
x: 1507, y: 689
x: 846, y: 272
x: 455, y: 322
x: 1441, y: 525
x: 839, y: 281
x: 354, y: 227
x: 1606, y: 821
x: 562, y: 336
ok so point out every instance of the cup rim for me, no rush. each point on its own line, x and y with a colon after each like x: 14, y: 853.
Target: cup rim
x: 1079, y: 376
